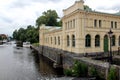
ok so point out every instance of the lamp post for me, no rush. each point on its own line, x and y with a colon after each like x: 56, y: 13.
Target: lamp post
x: 110, y: 53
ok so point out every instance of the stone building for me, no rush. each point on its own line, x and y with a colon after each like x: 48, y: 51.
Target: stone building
x: 82, y: 31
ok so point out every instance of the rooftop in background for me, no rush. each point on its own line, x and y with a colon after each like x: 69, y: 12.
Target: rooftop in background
x: 3, y: 36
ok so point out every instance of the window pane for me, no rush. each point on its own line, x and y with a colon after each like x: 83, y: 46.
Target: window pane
x: 88, y: 41
x: 95, y: 23
x: 68, y: 43
x: 73, y: 40
x: 113, y: 40
x: 97, y: 40
x: 111, y: 24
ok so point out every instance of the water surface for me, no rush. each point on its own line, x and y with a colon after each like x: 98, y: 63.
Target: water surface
x: 21, y: 64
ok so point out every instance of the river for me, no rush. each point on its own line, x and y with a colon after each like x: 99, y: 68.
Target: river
x: 24, y: 64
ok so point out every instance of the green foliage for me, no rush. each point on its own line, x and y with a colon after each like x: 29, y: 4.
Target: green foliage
x: 79, y: 70
x: 87, y: 8
x: 112, y: 74
x: 0, y: 37
x: 59, y: 23
x: 30, y: 34
x: 48, y: 18
x: 68, y: 72
x: 93, y: 72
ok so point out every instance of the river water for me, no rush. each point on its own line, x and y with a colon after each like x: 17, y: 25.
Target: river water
x: 24, y: 64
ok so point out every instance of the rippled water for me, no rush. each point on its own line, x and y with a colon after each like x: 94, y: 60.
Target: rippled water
x: 23, y: 64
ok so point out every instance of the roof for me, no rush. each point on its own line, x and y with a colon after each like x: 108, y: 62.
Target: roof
x: 114, y: 14
x: 87, y: 8
x: 118, y: 13
x: 52, y: 28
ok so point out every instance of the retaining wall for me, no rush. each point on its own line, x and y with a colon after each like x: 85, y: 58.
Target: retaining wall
x: 67, y: 60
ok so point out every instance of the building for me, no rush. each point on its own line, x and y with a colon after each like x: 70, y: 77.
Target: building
x: 83, y: 31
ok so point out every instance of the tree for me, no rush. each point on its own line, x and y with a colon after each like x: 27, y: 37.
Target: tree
x: 0, y: 37
x: 87, y: 8
x: 30, y: 34
x: 48, y: 18
x: 15, y: 35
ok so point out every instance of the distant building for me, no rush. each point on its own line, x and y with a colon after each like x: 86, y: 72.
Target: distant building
x: 3, y: 36
x: 83, y: 31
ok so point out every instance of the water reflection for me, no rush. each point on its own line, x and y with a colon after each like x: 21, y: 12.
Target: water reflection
x: 21, y: 64
x: 45, y: 67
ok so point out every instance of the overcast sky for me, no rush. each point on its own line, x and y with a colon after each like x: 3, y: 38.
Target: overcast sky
x: 20, y: 13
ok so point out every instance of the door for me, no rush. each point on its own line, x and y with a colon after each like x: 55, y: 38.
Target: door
x: 106, y: 43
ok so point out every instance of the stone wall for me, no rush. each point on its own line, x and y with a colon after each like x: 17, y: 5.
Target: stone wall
x: 67, y: 60
x: 51, y: 53
x: 102, y: 67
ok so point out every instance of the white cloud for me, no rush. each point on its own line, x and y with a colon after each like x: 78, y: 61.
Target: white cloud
x: 20, y: 13
x: 110, y: 6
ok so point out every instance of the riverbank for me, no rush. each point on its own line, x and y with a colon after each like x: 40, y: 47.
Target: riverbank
x: 68, y: 78
x: 68, y: 59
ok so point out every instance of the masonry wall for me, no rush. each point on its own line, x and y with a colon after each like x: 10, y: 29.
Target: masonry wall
x: 68, y: 59
x: 81, y: 23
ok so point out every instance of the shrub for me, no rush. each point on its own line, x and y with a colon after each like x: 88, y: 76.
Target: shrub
x: 112, y: 74
x: 93, y: 72
x: 68, y: 72
x: 80, y: 69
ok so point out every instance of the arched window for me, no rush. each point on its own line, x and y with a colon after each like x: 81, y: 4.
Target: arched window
x: 88, y: 41
x: 119, y: 41
x: 113, y: 40
x: 58, y: 40
x: 97, y: 41
x: 73, y: 40
x: 68, y: 40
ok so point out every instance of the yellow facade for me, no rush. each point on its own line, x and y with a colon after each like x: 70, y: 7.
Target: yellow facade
x: 83, y: 31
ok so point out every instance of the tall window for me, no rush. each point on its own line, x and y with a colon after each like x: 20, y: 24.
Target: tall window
x: 115, y: 24
x: 100, y: 23
x: 74, y: 23
x: 95, y: 23
x: 66, y: 25
x: 119, y: 41
x: 73, y: 40
x: 55, y: 40
x: 111, y: 24
x: 88, y: 41
x: 97, y: 41
x: 70, y: 24
x: 113, y: 40
x: 48, y: 39
x: 58, y: 40
x: 68, y: 40
x: 51, y: 40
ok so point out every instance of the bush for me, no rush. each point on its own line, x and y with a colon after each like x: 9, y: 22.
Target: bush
x: 68, y: 72
x: 80, y: 69
x: 112, y: 74
x: 93, y: 72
